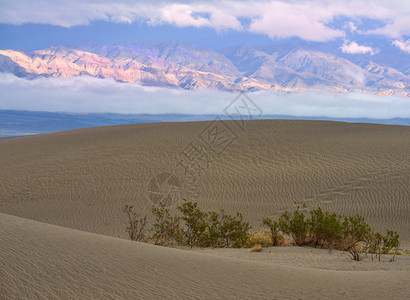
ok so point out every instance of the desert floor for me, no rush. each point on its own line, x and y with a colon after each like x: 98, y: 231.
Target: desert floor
x: 43, y: 261
x: 79, y: 180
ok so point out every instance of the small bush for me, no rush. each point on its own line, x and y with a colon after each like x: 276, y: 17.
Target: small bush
x: 166, y: 227
x: 354, y: 230
x: 257, y: 248
x: 259, y: 238
x: 325, y: 228
x: 234, y: 230
x: 136, y: 224
x: 213, y: 229
x: 276, y: 236
x: 212, y: 236
x: 379, y: 244
x: 296, y: 226
x: 390, y: 241
x: 195, y: 223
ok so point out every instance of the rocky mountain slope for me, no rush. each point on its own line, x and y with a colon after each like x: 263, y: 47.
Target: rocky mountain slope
x: 176, y: 64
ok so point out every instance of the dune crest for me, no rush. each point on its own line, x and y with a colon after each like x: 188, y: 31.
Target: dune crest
x: 82, y: 178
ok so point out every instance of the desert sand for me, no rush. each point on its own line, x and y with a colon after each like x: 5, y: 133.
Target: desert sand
x: 43, y: 261
x: 81, y: 179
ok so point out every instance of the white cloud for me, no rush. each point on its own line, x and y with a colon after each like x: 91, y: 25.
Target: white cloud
x: 307, y: 19
x: 354, y: 48
x: 280, y: 20
x: 87, y: 94
x: 402, y: 45
x: 395, y: 14
x: 183, y: 15
x: 350, y: 26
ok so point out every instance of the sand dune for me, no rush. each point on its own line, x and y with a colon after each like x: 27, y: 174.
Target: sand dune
x: 43, y: 261
x: 82, y: 178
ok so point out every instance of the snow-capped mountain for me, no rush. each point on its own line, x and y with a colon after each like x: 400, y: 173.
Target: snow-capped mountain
x: 286, y: 67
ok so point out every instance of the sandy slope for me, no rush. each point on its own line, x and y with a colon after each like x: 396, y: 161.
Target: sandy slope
x: 82, y: 178
x: 43, y: 261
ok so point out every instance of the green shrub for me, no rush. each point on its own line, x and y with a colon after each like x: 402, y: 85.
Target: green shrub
x: 378, y: 244
x: 354, y: 230
x: 372, y: 242
x: 390, y: 241
x: 212, y: 235
x: 233, y: 230
x: 296, y: 227
x: 195, y: 223
x: 275, y: 235
x: 330, y: 230
x: 325, y: 228
x: 211, y: 228
x: 166, y: 227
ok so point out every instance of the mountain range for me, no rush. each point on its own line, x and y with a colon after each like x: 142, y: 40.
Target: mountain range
x: 283, y: 67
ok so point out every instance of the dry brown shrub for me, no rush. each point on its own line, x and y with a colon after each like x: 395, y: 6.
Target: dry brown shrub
x: 257, y: 248
x: 258, y: 238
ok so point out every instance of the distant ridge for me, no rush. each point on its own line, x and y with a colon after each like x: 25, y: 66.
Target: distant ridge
x: 21, y: 123
x: 285, y: 68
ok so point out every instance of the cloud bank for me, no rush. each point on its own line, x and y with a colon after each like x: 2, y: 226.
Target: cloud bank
x: 306, y: 19
x: 402, y: 45
x: 354, y: 48
x: 87, y: 94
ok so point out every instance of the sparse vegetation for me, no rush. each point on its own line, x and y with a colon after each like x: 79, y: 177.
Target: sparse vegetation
x: 380, y: 244
x: 296, y: 226
x: 195, y: 224
x: 167, y: 229
x: 333, y: 231
x: 275, y: 235
x: 354, y: 230
x: 233, y: 230
x: 194, y: 227
x: 137, y: 225
x: 262, y: 238
x: 326, y: 228
x: 212, y: 229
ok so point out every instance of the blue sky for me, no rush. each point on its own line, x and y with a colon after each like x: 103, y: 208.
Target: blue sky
x: 40, y: 36
x: 27, y: 24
